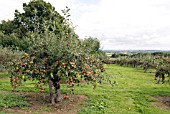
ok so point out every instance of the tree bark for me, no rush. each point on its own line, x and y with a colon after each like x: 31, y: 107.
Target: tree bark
x: 57, y: 96
x: 52, y: 99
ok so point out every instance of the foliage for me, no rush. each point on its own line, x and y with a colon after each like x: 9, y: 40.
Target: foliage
x: 14, y: 42
x: 7, y: 27
x: 38, y: 16
x: 8, y: 55
x: 93, y: 43
x: 52, y: 56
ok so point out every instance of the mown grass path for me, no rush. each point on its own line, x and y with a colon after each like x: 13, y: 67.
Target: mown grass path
x: 131, y: 95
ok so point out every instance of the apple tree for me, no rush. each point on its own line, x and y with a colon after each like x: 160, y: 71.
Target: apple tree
x: 52, y: 57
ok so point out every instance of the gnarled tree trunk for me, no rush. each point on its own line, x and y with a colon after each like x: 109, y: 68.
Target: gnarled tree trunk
x: 57, y: 96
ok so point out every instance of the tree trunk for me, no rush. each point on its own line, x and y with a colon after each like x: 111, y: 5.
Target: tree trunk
x: 57, y: 96
x: 52, y: 98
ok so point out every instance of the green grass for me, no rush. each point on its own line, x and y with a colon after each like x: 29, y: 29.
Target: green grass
x: 132, y: 93
x: 12, y: 100
x: 3, y: 74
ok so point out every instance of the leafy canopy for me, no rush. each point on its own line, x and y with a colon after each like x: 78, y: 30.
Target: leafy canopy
x: 53, y: 55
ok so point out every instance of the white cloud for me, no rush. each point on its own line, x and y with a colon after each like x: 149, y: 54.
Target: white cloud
x: 115, y: 19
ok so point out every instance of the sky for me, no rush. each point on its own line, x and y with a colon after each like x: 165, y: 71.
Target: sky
x: 118, y: 24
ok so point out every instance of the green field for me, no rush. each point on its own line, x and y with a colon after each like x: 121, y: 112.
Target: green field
x: 133, y: 93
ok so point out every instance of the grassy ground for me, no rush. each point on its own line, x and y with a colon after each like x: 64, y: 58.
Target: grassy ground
x: 132, y: 94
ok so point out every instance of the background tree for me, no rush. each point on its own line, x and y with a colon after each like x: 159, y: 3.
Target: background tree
x: 93, y: 43
x: 92, y: 46
x: 6, y: 56
x: 7, y: 27
x: 37, y: 17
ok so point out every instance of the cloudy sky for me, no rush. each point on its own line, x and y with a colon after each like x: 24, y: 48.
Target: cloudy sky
x: 118, y: 24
